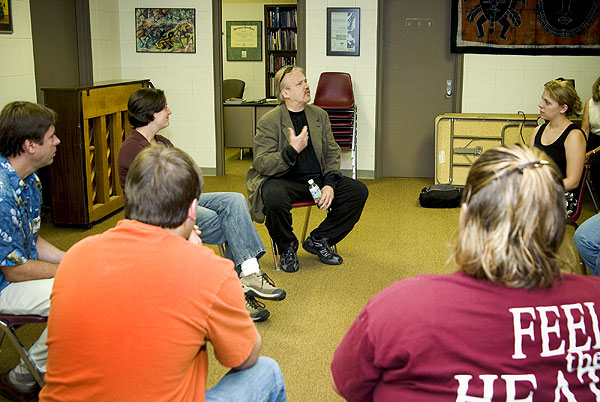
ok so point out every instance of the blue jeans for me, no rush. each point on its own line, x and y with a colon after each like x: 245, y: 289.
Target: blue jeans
x: 224, y: 218
x: 587, y: 242
x: 262, y: 382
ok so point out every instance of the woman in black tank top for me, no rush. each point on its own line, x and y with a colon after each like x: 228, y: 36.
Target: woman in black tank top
x: 560, y: 138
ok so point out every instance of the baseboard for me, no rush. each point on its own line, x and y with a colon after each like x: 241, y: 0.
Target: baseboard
x: 209, y: 171
x: 362, y: 174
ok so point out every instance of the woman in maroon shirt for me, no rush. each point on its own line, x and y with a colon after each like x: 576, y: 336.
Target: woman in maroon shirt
x: 507, y: 326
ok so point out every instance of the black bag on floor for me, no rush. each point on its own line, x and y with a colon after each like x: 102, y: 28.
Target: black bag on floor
x: 440, y: 196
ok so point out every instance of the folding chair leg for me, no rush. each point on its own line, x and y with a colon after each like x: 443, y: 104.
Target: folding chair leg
x: 23, y: 353
x: 304, y: 231
x: 275, y: 255
x: 592, y: 195
x: 222, y: 249
x: 306, y: 220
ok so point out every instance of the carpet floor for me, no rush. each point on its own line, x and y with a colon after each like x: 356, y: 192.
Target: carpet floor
x: 394, y: 239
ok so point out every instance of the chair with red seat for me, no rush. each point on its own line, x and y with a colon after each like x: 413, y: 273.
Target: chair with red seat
x: 590, y: 186
x: 335, y: 95
x: 572, y: 220
x: 8, y: 324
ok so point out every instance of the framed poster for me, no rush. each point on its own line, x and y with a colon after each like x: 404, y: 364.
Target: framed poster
x: 244, y: 40
x: 6, y: 16
x: 343, y: 31
x: 165, y: 30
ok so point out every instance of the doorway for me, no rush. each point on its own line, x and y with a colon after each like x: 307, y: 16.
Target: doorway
x: 61, y: 52
x: 61, y: 43
x: 231, y: 155
x: 415, y: 65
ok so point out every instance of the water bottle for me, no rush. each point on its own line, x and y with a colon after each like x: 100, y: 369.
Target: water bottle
x: 315, y: 191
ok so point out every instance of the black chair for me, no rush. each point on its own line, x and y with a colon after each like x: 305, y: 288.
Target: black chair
x: 233, y: 88
x: 8, y: 324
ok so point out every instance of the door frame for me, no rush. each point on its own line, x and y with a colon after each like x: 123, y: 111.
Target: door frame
x: 217, y: 12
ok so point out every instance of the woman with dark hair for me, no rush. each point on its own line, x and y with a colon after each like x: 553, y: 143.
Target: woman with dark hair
x: 560, y: 138
x: 507, y: 326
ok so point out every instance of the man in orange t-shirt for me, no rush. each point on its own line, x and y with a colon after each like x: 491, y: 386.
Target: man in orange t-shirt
x: 133, y: 308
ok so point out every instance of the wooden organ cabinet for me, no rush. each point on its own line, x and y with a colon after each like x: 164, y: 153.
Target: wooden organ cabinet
x: 92, y: 124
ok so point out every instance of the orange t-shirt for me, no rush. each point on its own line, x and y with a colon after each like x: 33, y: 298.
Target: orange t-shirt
x: 131, y: 311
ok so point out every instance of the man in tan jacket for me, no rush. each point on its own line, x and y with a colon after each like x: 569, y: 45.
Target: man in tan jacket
x: 284, y: 162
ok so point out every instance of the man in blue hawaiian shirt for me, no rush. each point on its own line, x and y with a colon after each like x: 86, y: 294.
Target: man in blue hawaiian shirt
x: 27, y: 262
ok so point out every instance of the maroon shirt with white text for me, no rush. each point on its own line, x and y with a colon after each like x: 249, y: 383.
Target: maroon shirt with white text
x: 456, y: 338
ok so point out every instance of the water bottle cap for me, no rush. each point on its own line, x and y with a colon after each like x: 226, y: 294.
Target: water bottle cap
x: 311, y: 181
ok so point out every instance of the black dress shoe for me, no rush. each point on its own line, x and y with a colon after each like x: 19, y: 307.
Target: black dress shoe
x: 8, y: 390
x: 321, y: 249
x: 289, y: 260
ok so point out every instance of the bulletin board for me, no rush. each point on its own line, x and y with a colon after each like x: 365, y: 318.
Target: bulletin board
x: 244, y: 40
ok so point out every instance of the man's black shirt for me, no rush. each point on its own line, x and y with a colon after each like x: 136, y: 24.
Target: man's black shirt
x: 306, y: 164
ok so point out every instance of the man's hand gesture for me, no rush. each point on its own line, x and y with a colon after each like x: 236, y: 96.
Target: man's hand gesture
x: 194, y: 237
x: 300, y: 141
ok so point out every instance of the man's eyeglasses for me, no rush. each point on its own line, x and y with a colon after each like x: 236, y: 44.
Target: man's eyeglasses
x: 286, y: 71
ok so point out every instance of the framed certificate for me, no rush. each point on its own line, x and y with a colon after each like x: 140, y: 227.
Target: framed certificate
x: 244, y: 40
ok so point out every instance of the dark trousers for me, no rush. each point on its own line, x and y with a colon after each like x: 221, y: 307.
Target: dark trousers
x: 279, y: 194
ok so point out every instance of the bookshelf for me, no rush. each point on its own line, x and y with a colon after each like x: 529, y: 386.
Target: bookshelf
x: 280, y: 41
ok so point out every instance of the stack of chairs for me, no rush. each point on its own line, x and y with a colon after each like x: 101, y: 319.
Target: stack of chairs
x: 335, y: 95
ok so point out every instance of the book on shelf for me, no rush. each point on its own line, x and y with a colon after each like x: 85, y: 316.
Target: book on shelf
x: 282, y: 18
x: 282, y: 40
x: 276, y: 62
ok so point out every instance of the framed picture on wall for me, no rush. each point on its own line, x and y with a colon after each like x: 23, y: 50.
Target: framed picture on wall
x: 343, y: 31
x: 244, y: 40
x: 6, y: 16
x: 165, y: 30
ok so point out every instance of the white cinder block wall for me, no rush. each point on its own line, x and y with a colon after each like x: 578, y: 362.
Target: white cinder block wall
x: 17, y: 71
x: 186, y: 78
x: 492, y: 83
x: 106, y: 39
x: 251, y: 72
x: 507, y: 84
x: 363, y: 69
